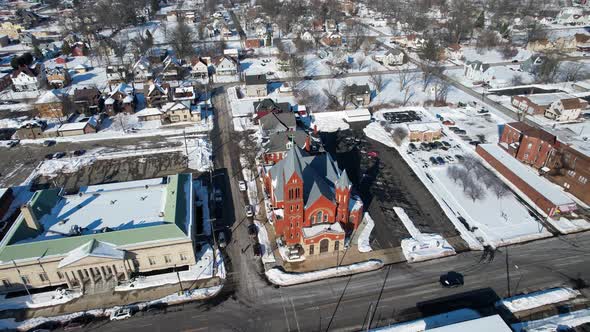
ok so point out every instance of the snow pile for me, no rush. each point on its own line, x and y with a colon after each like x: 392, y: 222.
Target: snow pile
x: 202, y: 270
x: 281, y: 278
x: 195, y: 294
x: 329, y: 121
x: 421, y: 247
x: 555, y: 323
x: 46, y: 299
x: 432, y: 322
x: 376, y: 132
x: 66, y: 165
x: 537, y: 299
x: 284, y: 251
x: 567, y: 226
x: 363, y: 241
x: 267, y: 255
x: 199, y: 154
x: 243, y: 123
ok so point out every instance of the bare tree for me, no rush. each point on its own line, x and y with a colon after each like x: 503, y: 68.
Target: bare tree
x: 486, y: 40
x: 331, y: 92
x: 470, y: 162
x: 429, y: 73
x: 572, y: 71
x: 500, y: 189
x: 408, y: 94
x: 399, y: 134
x: 517, y: 79
x: 360, y: 62
x: 548, y: 69
x: 377, y: 80
x: 473, y: 189
x: 441, y: 90
x: 181, y: 40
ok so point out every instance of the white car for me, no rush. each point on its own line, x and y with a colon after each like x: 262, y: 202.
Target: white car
x: 242, y: 185
x: 249, y: 211
x: 121, y: 314
x: 221, y: 240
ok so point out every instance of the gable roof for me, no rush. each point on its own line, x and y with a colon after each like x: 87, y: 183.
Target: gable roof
x: 268, y: 104
x: 277, y: 142
x: 92, y: 248
x: 571, y: 103
x: 255, y: 79
x: 357, y: 89
x: 278, y: 121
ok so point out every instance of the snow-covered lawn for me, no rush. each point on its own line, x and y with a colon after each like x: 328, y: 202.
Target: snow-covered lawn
x: 364, y: 243
x: 243, y: 107
x: 267, y: 255
x: 39, y: 300
x: 203, y: 269
x: 537, y: 299
x: 329, y: 121
x: 281, y: 278
x: 432, y: 322
x: 66, y: 165
x: 243, y: 123
x: 492, y: 56
x: 421, y: 247
x: 555, y: 323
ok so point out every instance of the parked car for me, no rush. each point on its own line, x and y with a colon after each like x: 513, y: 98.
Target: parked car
x: 242, y: 185
x: 13, y: 143
x: 49, y: 156
x: 257, y: 249
x: 440, y: 160
x: 450, y: 158
x: 59, y: 155
x: 451, y: 279
x: 373, y: 154
x: 459, y: 157
x: 438, y: 144
x: 249, y: 211
x: 221, y: 239
x: 424, y: 146
x: 412, y: 147
x: 475, y: 143
x: 48, y: 142
x: 79, y: 152
x: 252, y: 230
x: 433, y: 161
x: 432, y: 146
x: 120, y: 314
x: 447, y: 144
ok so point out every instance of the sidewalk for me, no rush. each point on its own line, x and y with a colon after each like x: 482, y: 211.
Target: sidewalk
x: 107, y: 300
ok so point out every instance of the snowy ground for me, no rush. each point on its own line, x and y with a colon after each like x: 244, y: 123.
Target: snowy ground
x: 555, y: 323
x: 267, y: 255
x: 432, y: 322
x: 364, y: 243
x: 244, y: 106
x: 537, y: 299
x: 278, y: 277
x: 329, y: 121
x: 420, y: 246
x: 204, y: 269
x: 39, y: 300
x: 492, y: 56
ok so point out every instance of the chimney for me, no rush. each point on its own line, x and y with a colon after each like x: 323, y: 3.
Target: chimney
x: 315, y: 129
x: 307, y: 143
x: 30, y: 218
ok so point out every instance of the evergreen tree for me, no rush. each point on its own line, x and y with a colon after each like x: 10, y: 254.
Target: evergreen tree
x: 480, y: 22
x: 37, y: 52
x: 65, y: 48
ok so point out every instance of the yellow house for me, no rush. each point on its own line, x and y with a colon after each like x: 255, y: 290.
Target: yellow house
x: 12, y: 30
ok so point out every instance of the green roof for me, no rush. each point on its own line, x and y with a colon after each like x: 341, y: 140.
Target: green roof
x: 175, y: 214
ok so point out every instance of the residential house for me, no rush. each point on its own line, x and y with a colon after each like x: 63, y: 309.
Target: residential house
x: 566, y: 109
x: 308, y: 37
x: 527, y: 144
x: 569, y: 167
x: 333, y: 39
x: 11, y: 29
x: 31, y: 129
x: 51, y: 104
x: 265, y: 106
x: 155, y: 94
x: 121, y: 100
x: 454, y: 52
x: 199, y: 68
x: 531, y: 64
x: 28, y: 39
x: 358, y: 95
x: 79, y: 126
x: 142, y: 70
x: 253, y: 43
x: 82, y: 252
x: 4, y: 40
x: 184, y: 93
x: 172, y: 70
x: 256, y: 86
x: 58, y: 77
x: 410, y: 41
x: 149, y: 114
x: 87, y: 100
x: 174, y: 112
x: 474, y: 70
x: 313, y: 206
x: 116, y: 74
x: 331, y: 25
x: 26, y: 78
x: 537, y: 104
x: 394, y: 57
x: 540, y: 45
x: 79, y: 49
x: 571, y: 16
x: 424, y: 132
x: 582, y: 42
x: 226, y: 66
x: 5, y: 80
x: 273, y: 123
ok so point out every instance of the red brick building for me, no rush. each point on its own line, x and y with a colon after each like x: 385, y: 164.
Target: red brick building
x: 529, y: 145
x: 570, y: 168
x: 312, y: 201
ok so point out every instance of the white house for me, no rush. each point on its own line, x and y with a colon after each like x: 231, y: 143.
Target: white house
x: 28, y: 79
x: 116, y: 74
x: 454, y: 52
x: 226, y: 65
x: 566, y: 109
x: 199, y: 69
x: 474, y: 70
x: 393, y: 57
x: 571, y: 16
x: 142, y: 70
x: 308, y: 37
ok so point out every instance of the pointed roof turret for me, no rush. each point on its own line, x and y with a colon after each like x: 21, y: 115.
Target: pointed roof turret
x: 293, y: 163
x: 343, y: 181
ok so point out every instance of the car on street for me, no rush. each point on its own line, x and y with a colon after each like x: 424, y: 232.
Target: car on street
x: 433, y: 161
x: 249, y: 211
x: 514, y: 61
x: 120, y: 314
x: 59, y: 155
x: 49, y: 156
x: 13, y: 143
x: 451, y: 279
x: 252, y: 230
x: 440, y: 160
x: 221, y: 239
x: 79, y: 152
x: 412, y: 147
x: 48, y: 142
x: 475, y: 143
x: 242, y: 185
x: 459, y: 157
x: 447, y: 144
x: 257, y: 249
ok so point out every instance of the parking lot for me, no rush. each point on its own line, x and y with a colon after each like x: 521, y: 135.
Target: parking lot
x: 384, y: 181
x: 402, y: 117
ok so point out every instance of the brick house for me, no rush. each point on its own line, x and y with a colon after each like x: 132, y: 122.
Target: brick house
x: 537, y: 104
x: 540, y: 191
x: 569, y: 168
x: 424, y: 132
x: 313, y: 207
x: 30, y: 129
x: 87, y: 100
x: 527, y: 144
x: 278, y: 144
x: 57, y: 77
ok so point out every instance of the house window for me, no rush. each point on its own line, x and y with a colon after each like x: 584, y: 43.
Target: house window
x: 582, y: 179
x: 566, y: 185
x: 167, y: 259
x: 291, y: 235
x: 43, y: 277
x: 152, y: 260
x: 571, y: 173
x: 60, y: 275
x: 6, y: 283
x: 336, y: 245
x: 291, y: 208
x: 182, y: 256
x: 25, y: 280
x: 325, y: 217
x: 311, y: 249
x: 318, y: 217
x: 526, y: 156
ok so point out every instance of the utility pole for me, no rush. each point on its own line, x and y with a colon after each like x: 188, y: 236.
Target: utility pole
x: 507, y: 272
x: 23, y: 280
x: 178, y: 276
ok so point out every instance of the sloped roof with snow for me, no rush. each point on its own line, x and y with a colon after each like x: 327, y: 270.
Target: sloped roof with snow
x: 315, y: 230
x: 92, y: 248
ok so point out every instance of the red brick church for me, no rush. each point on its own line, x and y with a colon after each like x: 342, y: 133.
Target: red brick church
x: 312, y: 201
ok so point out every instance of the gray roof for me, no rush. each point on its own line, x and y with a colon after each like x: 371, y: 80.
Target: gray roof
x: 278, y: 141
x: 255, y: 79
x: 357, y: 89
x: 343, y: 181
x: 278, y: 121
x: 269, y: 104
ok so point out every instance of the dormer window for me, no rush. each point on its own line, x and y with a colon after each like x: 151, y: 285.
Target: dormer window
x: 289, y: 145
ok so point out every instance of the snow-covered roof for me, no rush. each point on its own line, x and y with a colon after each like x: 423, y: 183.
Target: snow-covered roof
x: 546, y: 99
x: 52, y: 96
x: 149, y: 111
x: 424, y: 126
x: 549, y: 190
x: 486, y: 324
x: 360, y: 114
x: 316, y: 230
x: 109, y: 101
x: 174, y: 106
x: 92, y: 248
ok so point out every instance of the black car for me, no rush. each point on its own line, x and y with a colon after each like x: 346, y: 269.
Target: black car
x: 459, y: 157
x: 476, y: 143
x: 451, y: 279
x: 424, y: 146
x: 433, y: 161
x: 438, y: 144
x: 252, y: 230
x: 447, y: 144
x: 257, y: 249
x: 79, y: 152
x: 412, y: 147
x: 49, y: 156
x: 440, y: 160
x: 59, y: 155
x: 432, y: 146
